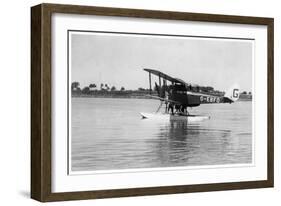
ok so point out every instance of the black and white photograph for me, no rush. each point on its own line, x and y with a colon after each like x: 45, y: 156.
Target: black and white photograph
x: 140, y: 101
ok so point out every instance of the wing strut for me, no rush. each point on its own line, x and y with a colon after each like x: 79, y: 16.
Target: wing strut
x: 161, y: 103
x: 160, y: 82
x: 149, y: 83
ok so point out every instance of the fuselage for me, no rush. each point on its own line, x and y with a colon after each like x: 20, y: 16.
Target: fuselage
x: 181, y: 94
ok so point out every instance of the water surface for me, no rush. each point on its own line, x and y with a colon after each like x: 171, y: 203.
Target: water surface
x: 108, y: 133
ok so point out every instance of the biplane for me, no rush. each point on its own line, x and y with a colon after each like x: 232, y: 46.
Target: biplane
x: 178, y: 95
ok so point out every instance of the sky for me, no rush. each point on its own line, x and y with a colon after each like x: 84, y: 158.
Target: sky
x: 118, y: 60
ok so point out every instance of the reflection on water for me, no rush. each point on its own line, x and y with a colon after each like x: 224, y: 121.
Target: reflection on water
x: 110, y: 134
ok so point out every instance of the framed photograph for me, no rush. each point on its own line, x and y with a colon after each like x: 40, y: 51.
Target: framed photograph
x: 130, y: 102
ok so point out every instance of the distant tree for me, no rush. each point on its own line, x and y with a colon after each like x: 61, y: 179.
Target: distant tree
x: 78, y: 89
x: 113, y: 88
x: 203, y: 89
x: 210, y: 88
x: 122, y: 89
x: 101, y: 86
x: 250, y: 93
x: 86, y: 90
x: 75, y: 85
x: 244, y: 92
x: 92, y: 85
x: 141, y: 89
x: 106, y: 87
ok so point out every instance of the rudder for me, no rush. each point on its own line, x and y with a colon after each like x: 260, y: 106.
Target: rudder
x: 233, y: 93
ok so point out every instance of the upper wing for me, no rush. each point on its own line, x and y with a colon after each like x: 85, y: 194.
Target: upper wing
x: 169, y: 78
x: 162, y: 75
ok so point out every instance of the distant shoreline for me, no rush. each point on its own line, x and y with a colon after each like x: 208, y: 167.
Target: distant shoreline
x: 109, y: 96
x: 115, y: 94
x: 132, y: 95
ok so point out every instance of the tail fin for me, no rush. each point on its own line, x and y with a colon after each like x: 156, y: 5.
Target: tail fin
x: 233, y: 93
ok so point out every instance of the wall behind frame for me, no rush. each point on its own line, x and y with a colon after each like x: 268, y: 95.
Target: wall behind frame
x: 15, y: 101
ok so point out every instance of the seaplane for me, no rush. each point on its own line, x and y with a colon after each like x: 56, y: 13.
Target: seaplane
x: 178, y: 95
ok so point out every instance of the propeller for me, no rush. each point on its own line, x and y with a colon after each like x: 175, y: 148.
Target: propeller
x: 162, y: 91
x: 157, y: 89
